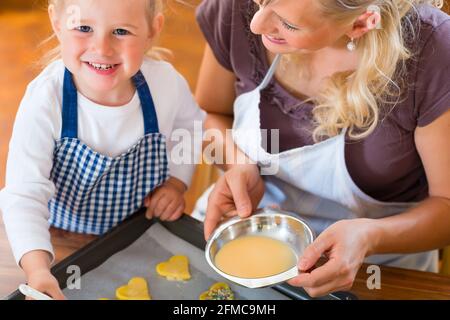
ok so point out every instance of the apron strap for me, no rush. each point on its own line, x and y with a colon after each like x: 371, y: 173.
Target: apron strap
x: 148, y: 106
x: 69, y: 107
x: 270, y: 73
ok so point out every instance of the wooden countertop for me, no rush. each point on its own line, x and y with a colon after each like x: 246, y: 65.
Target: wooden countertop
x: 395, y: 283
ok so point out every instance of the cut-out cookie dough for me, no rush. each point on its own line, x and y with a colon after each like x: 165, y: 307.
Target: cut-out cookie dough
x: 176, y: 268
x: 218, y: 291
x: 136, y: 289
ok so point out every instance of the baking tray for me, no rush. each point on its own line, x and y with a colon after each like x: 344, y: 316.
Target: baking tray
x: 115, y: 250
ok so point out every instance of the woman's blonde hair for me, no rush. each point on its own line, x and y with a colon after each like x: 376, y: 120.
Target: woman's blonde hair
x: 352, y: 99
x: 54, y: 53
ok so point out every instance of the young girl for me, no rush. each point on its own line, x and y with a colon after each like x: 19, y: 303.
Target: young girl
x: 89, y: 142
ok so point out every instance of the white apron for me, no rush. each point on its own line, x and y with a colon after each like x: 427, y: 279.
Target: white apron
x: 313, y: 181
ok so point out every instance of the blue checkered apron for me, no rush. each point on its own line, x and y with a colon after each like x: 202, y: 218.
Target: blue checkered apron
x: 95, y: 192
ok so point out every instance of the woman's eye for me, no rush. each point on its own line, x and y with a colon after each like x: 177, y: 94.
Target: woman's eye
x: 121, y: 32
x: 84, y: 29
x: 288, y: 26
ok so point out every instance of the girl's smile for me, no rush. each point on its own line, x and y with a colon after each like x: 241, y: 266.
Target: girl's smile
x: 102, y: 69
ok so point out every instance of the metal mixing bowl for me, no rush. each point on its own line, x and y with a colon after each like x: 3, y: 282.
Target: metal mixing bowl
x: 274, y: 223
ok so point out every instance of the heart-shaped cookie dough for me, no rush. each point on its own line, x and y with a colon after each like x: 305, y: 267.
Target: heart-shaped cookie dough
x: 136, y: 289
x: 176, y: 268
x: 218, y: 291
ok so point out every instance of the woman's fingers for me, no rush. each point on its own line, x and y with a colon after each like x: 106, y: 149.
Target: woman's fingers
x: 212, y: 219
x: 216, y: 212
x: 338, y: 272
x: 239, y: 190
x: 314, y: 251
x: 218, y: 202
x: 317, y: 277
x: 236, y: 192
x: 331, y: 277
x: 325, y: 289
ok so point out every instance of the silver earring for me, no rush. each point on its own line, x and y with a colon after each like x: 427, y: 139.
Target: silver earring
x: 351, y: 46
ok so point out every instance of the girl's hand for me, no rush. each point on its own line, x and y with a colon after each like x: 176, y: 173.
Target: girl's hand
x: 238, y: 191
x: 167, y: 201
x: 36, y: 265
x: 345, y: 243
x: 43, y: 281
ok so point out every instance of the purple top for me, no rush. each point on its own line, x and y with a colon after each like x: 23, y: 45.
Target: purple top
x: 386, y: 164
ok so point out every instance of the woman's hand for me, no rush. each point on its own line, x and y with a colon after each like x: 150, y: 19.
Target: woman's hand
x: 345, y: 243
x: 238, y: 191
x: 167, y: 201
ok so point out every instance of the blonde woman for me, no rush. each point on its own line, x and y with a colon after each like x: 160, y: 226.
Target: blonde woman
x: 359, y: 99
x: 89, y: 142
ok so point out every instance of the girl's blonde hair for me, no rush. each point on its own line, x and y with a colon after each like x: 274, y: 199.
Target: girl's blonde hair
x: 54, y: 53
x: 351, y: 99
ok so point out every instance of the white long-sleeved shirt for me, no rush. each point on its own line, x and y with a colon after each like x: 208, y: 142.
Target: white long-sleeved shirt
x: 108, y: 130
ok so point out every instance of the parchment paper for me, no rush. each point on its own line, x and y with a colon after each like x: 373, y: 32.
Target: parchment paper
x: 156, y: 245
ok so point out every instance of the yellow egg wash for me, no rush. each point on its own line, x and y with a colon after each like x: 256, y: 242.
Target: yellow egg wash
x: 255, y: 257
